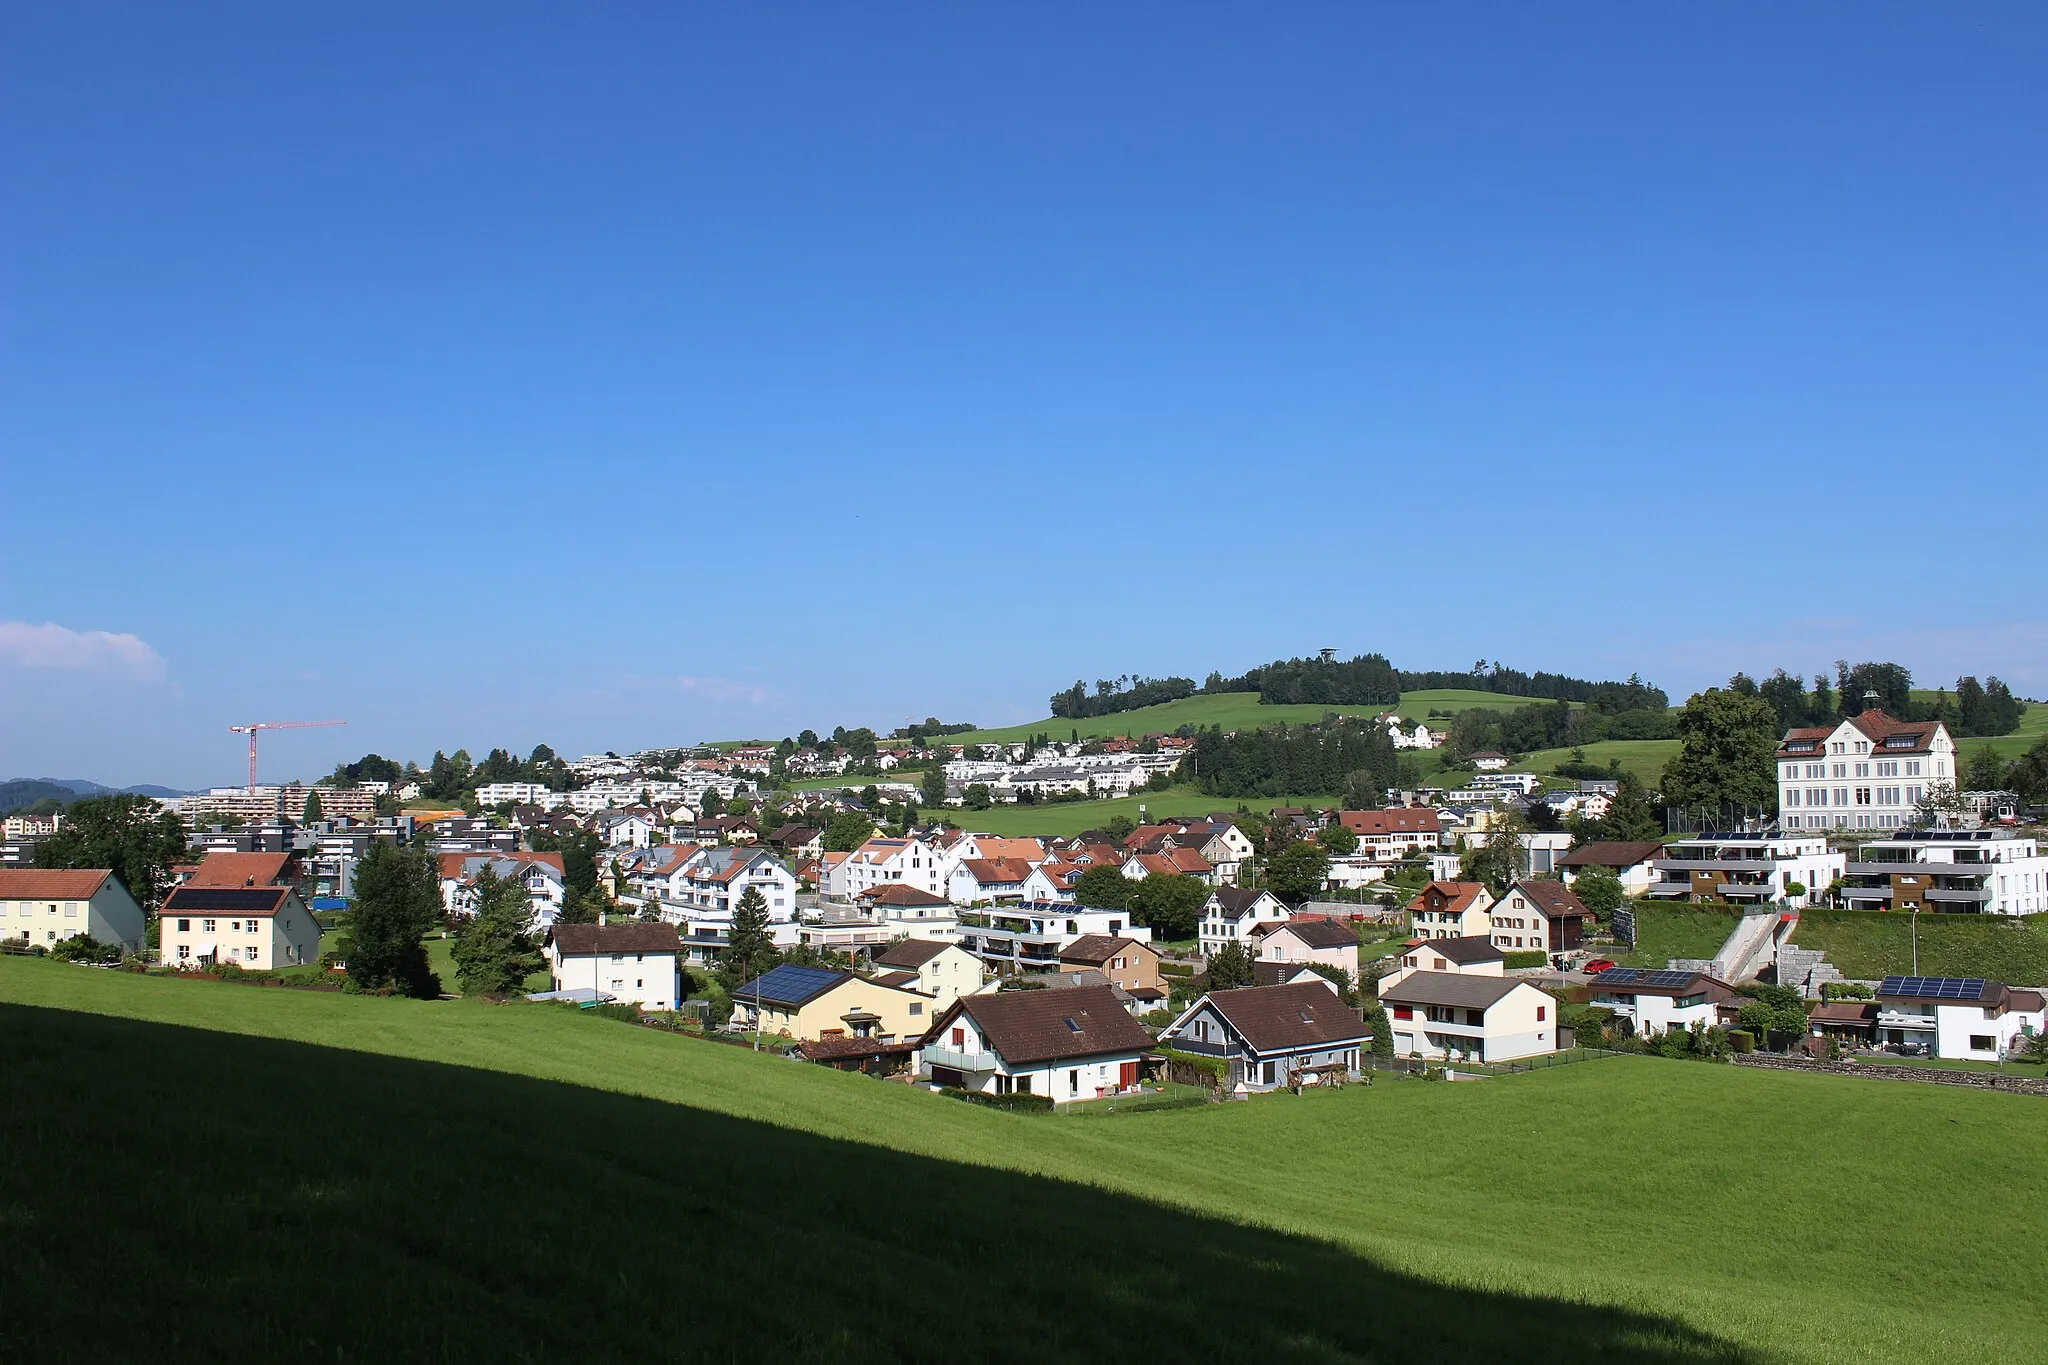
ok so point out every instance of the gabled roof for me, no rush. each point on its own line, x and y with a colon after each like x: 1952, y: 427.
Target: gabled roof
x: 1449, y: 988
x: 226, y: 900
x: 1024, y: 850
x: 910, y: 953
x: 627, y: 936
x: 1463, y: 951
x: 897, y: 893
x: 997, y: 871
x: 1095, y: 949
x: 1280, y: 973
x: 1050, y: 1025
x: 1885, y: 734
x: 51, y: 884
x: 1237, y: 901
x: 791, y: 987
x: 1457, y: 897
x: 1400, y: 820
x: 1553, y: 898
x: 241, y: 869
x: 1614, y: 853
x: 1174, y: 862
x: 460, y: 867
x: 1319, y: 933
x: 1288, y: 1018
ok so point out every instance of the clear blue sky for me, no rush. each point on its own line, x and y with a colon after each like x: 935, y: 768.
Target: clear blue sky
x: 623, y: 375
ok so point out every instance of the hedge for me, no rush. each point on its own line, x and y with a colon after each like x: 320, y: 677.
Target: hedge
x: 1015, y: 1101
x: 1535, y: 958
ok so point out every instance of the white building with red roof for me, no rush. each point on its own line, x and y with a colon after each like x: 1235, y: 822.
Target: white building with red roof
x: 46, y: 906
x: 1866, y: 772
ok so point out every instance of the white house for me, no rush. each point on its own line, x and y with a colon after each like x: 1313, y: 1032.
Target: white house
x: 1960, y: 1018
x: 1391, y: 835
x: 626, y: 828
x: 1655, y: 1001
x: 1077, y: 1043
x: 1865, y: 772
x: 1454, y: 956
x: 1981, y: 871
x: 1755, y: 869
x: 1451, y: 910
x: 1489, y: 761
x: 632, y: 962
x: 1539, y: 914
x: 1232, y: 913
x: 986, y: 881
x: 714, y: 879
x: 260, y: 928
x: 1484, y: 1018
x: 540, y: 873
x: 47, y: 906
x: 1030, y: 937
x: 882, y: 862
x: 1630, y: 860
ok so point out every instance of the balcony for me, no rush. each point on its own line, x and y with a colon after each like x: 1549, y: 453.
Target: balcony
x: 935, y: 1055
x: 1894, y: 1019
x: 1975, y: 895
x: 1760, y: 865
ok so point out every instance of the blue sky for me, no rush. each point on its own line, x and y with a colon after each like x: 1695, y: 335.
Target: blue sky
x: 618, y: 376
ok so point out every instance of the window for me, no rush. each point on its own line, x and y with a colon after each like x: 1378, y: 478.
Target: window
x: 206, y: 926
x: 1913, y: 768
x: 1983, y: 1043
x: 1540, y: 1010
x: 255, y: 926
x: 1403, y: 1012
x: 1890, y: 769
x: 1074, y: 1082
x: 916, y: 1008
x: 959, y: 1038
x: 1863, y: 796
x: 184, y: 952
x: 184, y: 926
x: 1862, y: 770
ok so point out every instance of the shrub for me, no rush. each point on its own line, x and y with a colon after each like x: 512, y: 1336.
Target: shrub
x: 85, y: 948
x: 1845, y: 990
x: 1536, y: 958
x: 614, y: 1009
x: 1211, y: 1066
x: 1742, y: 1040
x: 1014, y: 1102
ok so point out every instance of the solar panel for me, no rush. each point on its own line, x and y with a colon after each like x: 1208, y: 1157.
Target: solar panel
x: 789, y: 984
x: 1666, y: 978
x: 224, y: 898
x: 1933, y: 987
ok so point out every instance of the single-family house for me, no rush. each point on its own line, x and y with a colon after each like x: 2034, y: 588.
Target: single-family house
x: 633, y: 962
x: 1632, y: 861
x: 907, y: 909
x: 1483, y: 1018
x: 625, y: 828
x: 1541, y: 914
x: 49, y: 905
x: 540, y: 873
x: 1273, y: 1035
x: 988, y: 881
x: 883, y: 862
x: 1475, y: 956
x: 1652, y: 1002
x: 1452, y: 910
x: 1328, y: 943
x: 1960, y: 1017
x: 1075, y: 1044
x: 254, y: 927
x: 944, y: 971
x: 823, y: 1002
x: 1231, y: 914
x: 245, y: 869
x: 1129, y: 965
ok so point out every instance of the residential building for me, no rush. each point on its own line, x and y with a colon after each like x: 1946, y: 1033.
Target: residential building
x: 1489, y: 761
x: 1232, y: 913
x: 1132, y: 967
x: 1390, y: 835
x: 1630, y: 860
x: 540, y: 873
x: 988, y: 881
x: 821, y: 1002
x: 799, y: 843
x: 1652, y: 1002
x: 1539, y: 914
x: 1866, y: 772
x: 1029, y: 937
x: 1288, y: 974
x: 259, y: 928
x: 1272, y: 1036
x: 1452, y: 910
x: 49, y: 905
x: 632, y: 962
x: 882, y: 862
x: 1328, y: 943
x: 1170, y: 862
x: 1753, y: 869
x: 714, y: 879
x: 1964, y: 1018
x: 905, y: 909
x: 519, y: 794
x: 1480, y: 1018
x: 1980, y: 871
x: 944, y: 971
x: 1074, y: 1044
x: 1476, y: 956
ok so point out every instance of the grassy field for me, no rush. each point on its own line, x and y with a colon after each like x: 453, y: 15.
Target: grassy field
x: 282, y: 1174
x: 1866, y: 944
x: 1665, y: 931
x: 1074, y: 816
x: 1231, y: 710
x: 1643, y: 757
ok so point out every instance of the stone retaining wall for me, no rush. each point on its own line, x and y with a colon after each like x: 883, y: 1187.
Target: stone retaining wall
x: 1927, y: 1075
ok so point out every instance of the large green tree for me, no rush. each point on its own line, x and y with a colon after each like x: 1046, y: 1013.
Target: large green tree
x: 396, y: 903
x: 1599, y: 890
x: 1728, y: 749
x: 1297, y: 872
x: 932, y: 786
x: 750, y: 947
x: 132, y: 836
x: 1103, y: 888
x: 1337, y: 838
x: 1498, y: 861
x: 1170, y: 904
x: 1231, y: 968
x: 847, y: 831
x: 494, y: 953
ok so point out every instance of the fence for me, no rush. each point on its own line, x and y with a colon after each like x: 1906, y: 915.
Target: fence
x: 1926, y: 1075
x: 1542, y: 1061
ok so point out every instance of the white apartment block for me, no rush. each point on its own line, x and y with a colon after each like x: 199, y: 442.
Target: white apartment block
x: 520, y: 794
x: 1980, y: 871
x: 1867, y: 772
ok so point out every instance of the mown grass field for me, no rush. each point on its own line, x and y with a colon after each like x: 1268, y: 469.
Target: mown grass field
x: 1643, y: 757
x: 1074, y: 816
x: 1231, y: 710
x: 1871, y: 943
x: 272, y: 1174
x: 1665, y: 931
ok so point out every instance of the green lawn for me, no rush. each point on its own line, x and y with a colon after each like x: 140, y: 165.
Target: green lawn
x: 314, y: 1176
x: 1072, y: 817
x: 1231, y: 710
x: 1867, y: 944
x: 1643, y: 757
x: 1668, y: 930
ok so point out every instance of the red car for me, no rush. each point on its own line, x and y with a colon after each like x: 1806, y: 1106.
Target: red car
x: 1597, y: 966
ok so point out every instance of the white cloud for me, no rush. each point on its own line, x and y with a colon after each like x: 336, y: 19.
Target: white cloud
x: 723, y: 689
x: 50, y: 645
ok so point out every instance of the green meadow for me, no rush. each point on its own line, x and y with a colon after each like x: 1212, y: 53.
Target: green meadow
x: 1230, y: 710
x: 203, y: 1171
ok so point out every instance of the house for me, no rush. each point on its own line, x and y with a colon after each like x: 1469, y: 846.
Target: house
x: 1482, y: 1018
x: 255, y: 927
x: 1129, y: 965
x: 1474, y: 956
x: 882, y: 862
x: 1865, y: 772
x: 1956, y: 1017
x: 799, y: 843
x: 1028, y: 937
x: 822, y: 1002
x: 1971, y: 871
x: 245, y: 869
x: 1075, y: 1044
x: 49, y: 905
x: 1754, y: 869
x: 629, y: 961
x: 1288, y: 974
x: 909, y: 910
x: 1628, y: 859
x: 1651, y: 1002
x: 1271, y: 1035
x: 944, y: 971
x: 1390, y: 835
x: 1170, y: 862
x: 1539, y: 914
x: 1232, y: 912
x: 714, y: 880
x: 988, y: 881
x: 1489, y: 761
x: 1452, y: 910
x: 624, y: 828
x: 1327, y: 943
x: 540, y: 873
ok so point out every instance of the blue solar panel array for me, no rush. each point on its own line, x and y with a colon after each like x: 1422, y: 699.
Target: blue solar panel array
x: 1636, y: 976
x: 1933, y: 987
x: 789, y: 985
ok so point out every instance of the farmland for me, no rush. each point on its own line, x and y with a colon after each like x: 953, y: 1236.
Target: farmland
x: 1231, y: 711
x: 325, y: 1176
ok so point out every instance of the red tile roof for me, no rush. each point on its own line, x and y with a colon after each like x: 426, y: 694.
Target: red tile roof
x: 242, y: 869
x: 1452, y: 897
x: 1403, y: 820
x: 51, y: 884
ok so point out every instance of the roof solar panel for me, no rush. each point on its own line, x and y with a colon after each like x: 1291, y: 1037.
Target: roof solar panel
x: 1666, y: 978
x: 1933, y: 987
x: 789, y: 984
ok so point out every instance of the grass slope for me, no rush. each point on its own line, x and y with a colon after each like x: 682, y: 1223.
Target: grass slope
x: 1074, y: 816
x: 1231, y: 710
x: 1665, y: 931
x: 283, y: 1174
x: 1643, y: 757
x: 1872, y: 943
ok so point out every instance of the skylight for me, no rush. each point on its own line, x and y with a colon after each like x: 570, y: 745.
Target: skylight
x: 1074, y: 1026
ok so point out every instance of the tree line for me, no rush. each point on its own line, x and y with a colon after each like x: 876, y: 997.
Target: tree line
x: 1354, y: 757
x: 1973, y: 710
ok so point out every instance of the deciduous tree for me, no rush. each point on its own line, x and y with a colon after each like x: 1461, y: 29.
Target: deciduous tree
x: 1230, y: 968
x: 130, y: 835
x: 1297, y: 872
x: 1103, y: 888
x: 1170, y: 904
x: 1728, y: 753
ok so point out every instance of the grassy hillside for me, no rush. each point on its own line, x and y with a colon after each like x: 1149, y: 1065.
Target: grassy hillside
x: 1643, y: 757
x: 1232, y: 711
x: 1873, y: 943
x: 327, y: 1177
x: 1073, y: 817
x: 1665, y: 931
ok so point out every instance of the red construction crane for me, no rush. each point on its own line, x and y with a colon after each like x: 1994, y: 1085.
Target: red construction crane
x: 250, y: 731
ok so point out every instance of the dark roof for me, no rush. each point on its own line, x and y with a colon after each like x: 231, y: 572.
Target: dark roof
x: 910, y: 953
x: 1094, y: 949
x: 1236, y: 901
x: 896, y: 893
x: 1288, y: 1018
x: 1053, y: 1025
x: 1654, y: 981
x: 1844, y: 1012
x: 1463, y: 951
x: 631, y: 936
x: 246, y: 900
x: 1275, y: 973
x: 900, y: 980
x: 1960, y: 989
x: 835, y: 1049
x: 1614, y: 853
x: 1553, y: 898
x: 791, y: 986
x: 1320, y: 933
x: 1448, y: 988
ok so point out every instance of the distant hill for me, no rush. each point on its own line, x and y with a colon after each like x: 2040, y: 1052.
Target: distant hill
x: 15, y: 793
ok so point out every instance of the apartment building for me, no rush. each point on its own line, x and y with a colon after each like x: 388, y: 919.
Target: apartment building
x: 1976, y: 871
x: 1867, y: 772
x: 1754, y: 869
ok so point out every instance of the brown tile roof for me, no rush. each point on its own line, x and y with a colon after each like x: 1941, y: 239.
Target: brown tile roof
x: 1553, y: 898
x: 633, y: 936
x: 1448, y: 988
x: 1320, y: 933
x: 900, y: 980
x: 242, y: 869
x: 997, y: 871
x: 1275, y: 973
x: 1022, y: 850
x: 1236, y: 901
x: 1614, y: 853
x: 1844, y: 1012
x: 1402, y: 820
x: 1461, y: 950
x: 458, y: 867
x: 836, y: 1049
x: 1453, y: 897
x: 1095, y: 949
x: 896, y: 893
x: 910, y: 952
x: 1289, y: 1018
x: 2024, y: 1000
x: 1051, y: 1026
x: 51, y: 884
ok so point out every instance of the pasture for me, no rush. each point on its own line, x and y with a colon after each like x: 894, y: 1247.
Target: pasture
x: 270, y: 1173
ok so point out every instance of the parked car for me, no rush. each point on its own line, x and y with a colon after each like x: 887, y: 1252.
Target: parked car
x: 1598, y: 965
